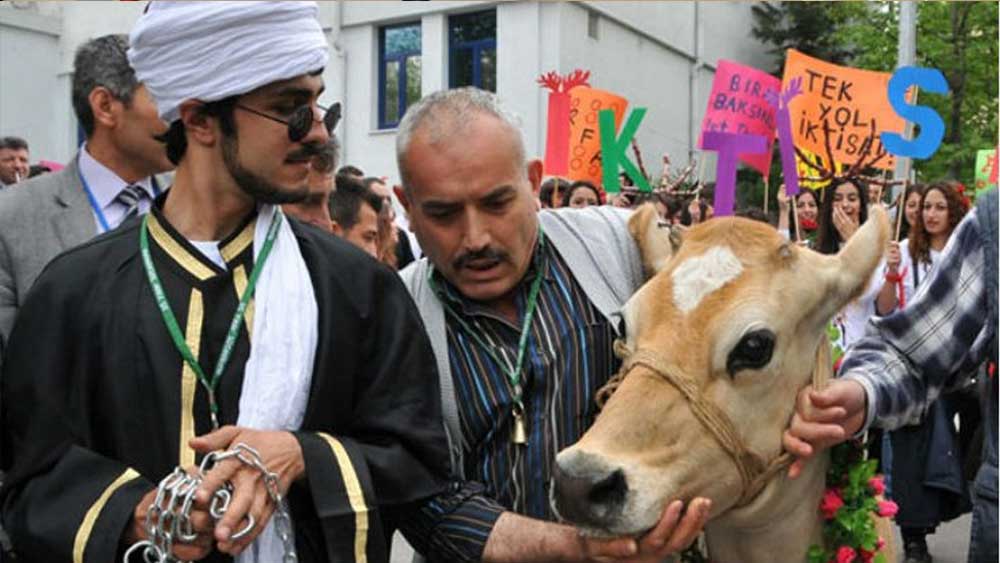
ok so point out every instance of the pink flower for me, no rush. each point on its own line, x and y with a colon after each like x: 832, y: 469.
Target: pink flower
x: 831, y: 503
x: 877, y: 484
x: 845, y: 554
x: 880, y: 543
x: 887, y: 508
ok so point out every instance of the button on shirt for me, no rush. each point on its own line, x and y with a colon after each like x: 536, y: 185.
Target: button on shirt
x: 105, y: 186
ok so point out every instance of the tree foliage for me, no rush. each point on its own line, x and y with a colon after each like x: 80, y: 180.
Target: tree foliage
x: 958, y: 38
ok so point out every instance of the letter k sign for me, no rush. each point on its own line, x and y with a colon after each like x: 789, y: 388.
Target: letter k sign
x: 613, y: 150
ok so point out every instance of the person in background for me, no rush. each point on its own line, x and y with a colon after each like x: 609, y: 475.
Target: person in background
x: 315, y: 208
x: 551, y: 193
x: 581, y: 194
x: 349, y: 170
x: 354, y: 211
x: 925, y: 477
x: 110, y: 180
x: 14, y: 157
x: 807, y: 208
x: 394, y: 246
x: 908, y: 358
x: 696, y: 211
x: 843, y: 210
x: 38, y: 170
x: 876, y: 194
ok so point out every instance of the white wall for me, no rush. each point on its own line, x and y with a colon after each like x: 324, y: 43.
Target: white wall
x: 29, y: 78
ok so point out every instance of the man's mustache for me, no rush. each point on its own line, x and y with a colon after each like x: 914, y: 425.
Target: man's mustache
x: 486, y: 253
x: 306, y: 152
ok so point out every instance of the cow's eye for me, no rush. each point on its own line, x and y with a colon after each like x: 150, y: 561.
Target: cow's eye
x: 753, y: 351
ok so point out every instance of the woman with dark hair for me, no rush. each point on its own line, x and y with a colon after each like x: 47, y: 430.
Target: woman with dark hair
x: 900, y: 269
x: 581, y: 194
x: 807, y: 207
x: 694, y: 212
x: 911, y: 208
x: 930, y: 438
x: 551, y: 192
x: 844, y: 209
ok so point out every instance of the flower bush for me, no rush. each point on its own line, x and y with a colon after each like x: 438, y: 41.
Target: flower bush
x: 850, y: 501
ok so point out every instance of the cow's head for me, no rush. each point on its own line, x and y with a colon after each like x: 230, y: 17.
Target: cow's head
x: 739, y: 311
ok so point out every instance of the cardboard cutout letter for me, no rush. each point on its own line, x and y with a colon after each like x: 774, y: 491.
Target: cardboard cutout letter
x: 613, y: 150
x: 729, y: 146
x: 931, y: 124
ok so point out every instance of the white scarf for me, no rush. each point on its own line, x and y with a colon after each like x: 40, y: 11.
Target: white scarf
x: 278, y: 373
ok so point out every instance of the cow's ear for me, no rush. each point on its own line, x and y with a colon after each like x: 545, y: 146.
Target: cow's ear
x: 657, y: 240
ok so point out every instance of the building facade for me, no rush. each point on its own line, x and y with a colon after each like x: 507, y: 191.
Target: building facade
x: 387, y: 54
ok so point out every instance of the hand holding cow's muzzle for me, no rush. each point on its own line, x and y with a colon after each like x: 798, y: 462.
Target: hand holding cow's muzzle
x: 676, y: 531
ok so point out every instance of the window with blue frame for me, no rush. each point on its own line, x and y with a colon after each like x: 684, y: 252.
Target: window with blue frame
x: 399, y: 72
x: 472, y: 49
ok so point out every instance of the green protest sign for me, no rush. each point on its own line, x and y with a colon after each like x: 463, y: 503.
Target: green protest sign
x: 613, y: 150
x: 985, y: 164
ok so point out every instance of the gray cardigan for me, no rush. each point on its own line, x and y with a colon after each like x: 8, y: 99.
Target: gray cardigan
x: 599, y: 251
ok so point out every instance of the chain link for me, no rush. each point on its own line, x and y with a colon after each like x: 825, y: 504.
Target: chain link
x: 169, y: 516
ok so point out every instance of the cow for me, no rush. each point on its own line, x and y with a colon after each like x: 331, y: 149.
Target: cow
x: 730, y: 326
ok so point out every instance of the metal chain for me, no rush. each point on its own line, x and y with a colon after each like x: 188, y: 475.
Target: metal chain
x: 168, y: 518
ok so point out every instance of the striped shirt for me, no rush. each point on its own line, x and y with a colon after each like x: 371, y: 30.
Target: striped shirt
x: 568, y: 357
x: 907, y: 359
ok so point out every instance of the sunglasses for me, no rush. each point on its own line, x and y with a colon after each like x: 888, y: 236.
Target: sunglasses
x: 301, y: 120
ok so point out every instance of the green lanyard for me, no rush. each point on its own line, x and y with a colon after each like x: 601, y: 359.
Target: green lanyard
x: 234, y: 326
x: 513, y: 373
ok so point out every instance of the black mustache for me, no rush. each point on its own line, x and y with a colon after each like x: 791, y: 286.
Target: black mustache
x: 306, y: 152
x: 486, y: 253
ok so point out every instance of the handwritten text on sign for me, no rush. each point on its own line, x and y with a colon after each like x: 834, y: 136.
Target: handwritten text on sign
x: 584, y: 130
x: 738, y: 104
x: 853, y: 102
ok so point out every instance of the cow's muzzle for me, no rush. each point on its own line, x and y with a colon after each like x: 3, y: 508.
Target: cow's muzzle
x: 586, y: 492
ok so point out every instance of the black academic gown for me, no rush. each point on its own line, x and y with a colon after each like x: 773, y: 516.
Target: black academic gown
x: 97, y: 404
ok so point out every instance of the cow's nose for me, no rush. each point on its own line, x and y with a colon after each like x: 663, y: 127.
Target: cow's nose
x: 587, y: 494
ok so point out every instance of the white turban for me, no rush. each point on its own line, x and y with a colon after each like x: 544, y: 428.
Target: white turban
x: 212, y: 50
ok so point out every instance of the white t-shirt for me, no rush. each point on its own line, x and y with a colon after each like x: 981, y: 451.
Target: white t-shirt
x: 853, y: 318
x: 915, y: 276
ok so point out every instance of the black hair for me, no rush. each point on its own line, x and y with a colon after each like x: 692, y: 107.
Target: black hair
x: 568, y: 193
x: 13, y: 143
x: 828, y: 241
x: 345, y: 201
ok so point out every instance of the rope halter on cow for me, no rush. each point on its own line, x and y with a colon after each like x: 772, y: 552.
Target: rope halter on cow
x: 755, y: 472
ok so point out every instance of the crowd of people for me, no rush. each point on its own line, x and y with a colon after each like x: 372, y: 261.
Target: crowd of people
x: 207, y: 276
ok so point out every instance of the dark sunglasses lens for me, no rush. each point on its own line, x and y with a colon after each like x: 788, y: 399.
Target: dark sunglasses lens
x: 300, y: 123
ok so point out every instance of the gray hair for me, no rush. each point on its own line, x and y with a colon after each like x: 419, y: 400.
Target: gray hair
x: 101, y: 62
x: 445, y: 114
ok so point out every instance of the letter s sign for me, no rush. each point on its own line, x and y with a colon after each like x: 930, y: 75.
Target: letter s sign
x: 931, y: 125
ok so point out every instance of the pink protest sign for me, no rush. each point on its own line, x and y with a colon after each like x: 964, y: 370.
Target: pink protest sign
x: 738, y: 104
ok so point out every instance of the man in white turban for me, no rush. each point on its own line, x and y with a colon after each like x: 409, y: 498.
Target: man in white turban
x: 215, y: 323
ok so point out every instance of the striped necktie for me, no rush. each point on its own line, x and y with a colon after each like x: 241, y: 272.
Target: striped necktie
x: 130, y: 196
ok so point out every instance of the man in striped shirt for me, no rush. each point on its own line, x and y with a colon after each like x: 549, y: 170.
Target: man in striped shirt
x: 521, y: 309
x: 907, y: 360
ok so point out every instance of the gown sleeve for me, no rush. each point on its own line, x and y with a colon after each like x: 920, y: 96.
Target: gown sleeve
x: 61, y: 501
x: 393, y: 452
